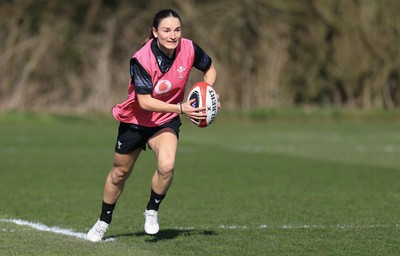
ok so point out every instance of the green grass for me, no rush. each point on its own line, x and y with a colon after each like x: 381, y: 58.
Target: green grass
x: 296, y: 186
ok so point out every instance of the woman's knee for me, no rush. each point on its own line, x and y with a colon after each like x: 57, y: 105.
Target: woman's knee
x: 122, y: 166
x: 166, y: 167
x: 119, y: 174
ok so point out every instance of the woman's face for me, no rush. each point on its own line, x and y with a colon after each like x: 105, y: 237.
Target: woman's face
x: 168, y: 34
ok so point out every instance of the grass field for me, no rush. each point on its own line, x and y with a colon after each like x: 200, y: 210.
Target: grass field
x: 296, y: 186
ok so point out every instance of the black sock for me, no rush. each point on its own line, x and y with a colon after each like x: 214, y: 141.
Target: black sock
x: 155, y: 201
x: 106, y: 212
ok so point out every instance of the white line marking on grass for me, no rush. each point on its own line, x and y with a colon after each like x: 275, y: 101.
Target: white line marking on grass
x: 57, y: 230
x: 70, y: 232
x: 338, y: 226
x: 265, y: 226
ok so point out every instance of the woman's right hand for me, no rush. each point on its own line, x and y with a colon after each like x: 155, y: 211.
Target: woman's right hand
x: 194, y: 114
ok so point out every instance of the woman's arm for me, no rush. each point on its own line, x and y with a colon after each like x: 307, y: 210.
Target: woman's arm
x: 148, y: 103
x: 210, y: 76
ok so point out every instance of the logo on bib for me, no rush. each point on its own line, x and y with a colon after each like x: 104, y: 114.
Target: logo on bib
x: 163, y: 86
x: 180, y: 71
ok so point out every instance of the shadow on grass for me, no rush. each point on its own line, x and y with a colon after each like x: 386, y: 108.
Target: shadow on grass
x: 167, y: 234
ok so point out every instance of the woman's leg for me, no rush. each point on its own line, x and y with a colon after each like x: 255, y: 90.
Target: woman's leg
x: 113, y: 188
x: 164, y: 145
x: 122, y: 169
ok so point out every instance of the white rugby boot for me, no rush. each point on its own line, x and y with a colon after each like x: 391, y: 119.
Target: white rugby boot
x: 151, y: 226
x: 96, y: 233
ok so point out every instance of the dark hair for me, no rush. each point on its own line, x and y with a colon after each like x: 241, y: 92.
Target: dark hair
x: 160, y: 16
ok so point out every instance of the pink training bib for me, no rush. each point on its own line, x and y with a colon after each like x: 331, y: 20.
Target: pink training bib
x: 168, y: 87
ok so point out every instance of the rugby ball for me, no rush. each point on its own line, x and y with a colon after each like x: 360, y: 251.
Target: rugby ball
x: 205, y: 96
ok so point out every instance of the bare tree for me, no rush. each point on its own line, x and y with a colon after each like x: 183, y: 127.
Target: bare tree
x: 75, y: 57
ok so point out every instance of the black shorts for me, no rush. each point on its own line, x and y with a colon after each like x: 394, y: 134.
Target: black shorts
x: 132, y: 136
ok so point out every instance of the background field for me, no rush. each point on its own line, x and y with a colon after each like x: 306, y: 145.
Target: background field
x: 297, y: 185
